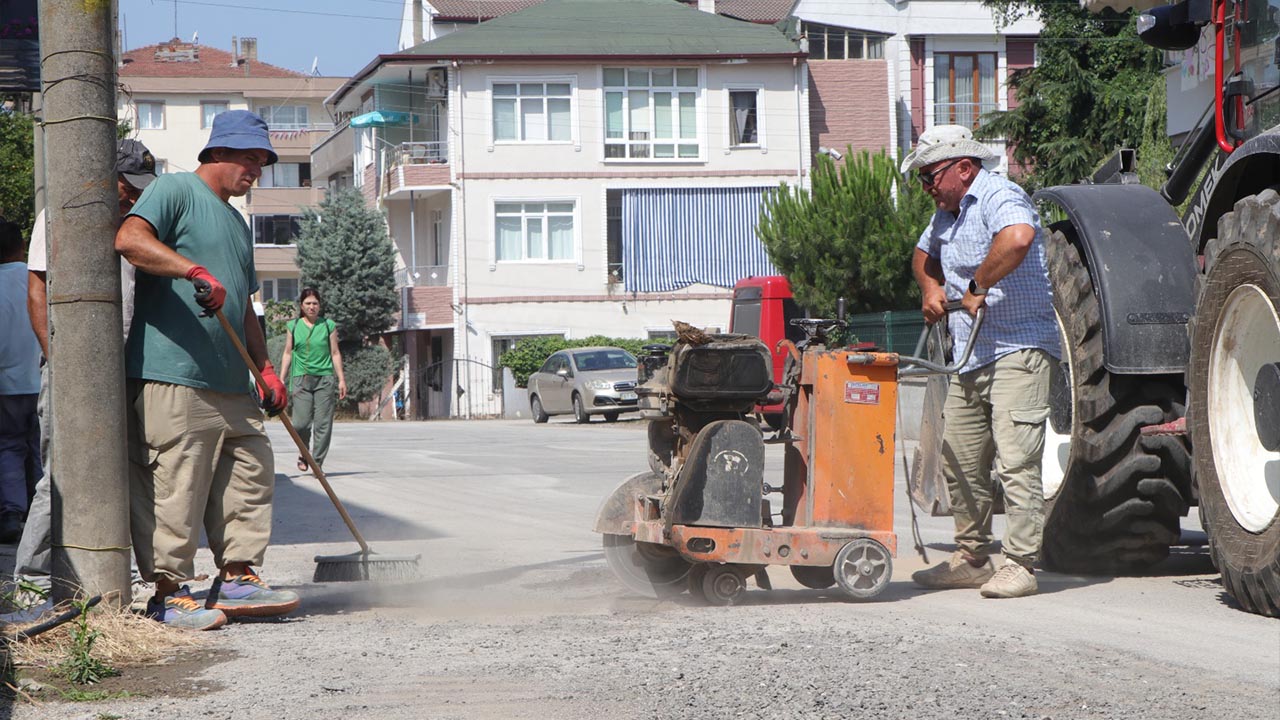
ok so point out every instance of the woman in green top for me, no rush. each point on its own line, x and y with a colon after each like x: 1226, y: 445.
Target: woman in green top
x: 311, y: 361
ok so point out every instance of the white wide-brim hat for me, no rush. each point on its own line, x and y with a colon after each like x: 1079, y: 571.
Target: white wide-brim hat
x: 944, y: 142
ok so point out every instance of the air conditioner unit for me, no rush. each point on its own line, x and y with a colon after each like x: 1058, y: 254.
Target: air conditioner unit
x: 437, y: 83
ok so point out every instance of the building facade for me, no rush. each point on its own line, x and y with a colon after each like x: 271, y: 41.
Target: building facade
x: 881, y: 73
x: 171, y: 93
x: 571, y: 169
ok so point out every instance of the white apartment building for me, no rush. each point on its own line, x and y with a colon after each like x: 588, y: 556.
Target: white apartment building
x: 577, y: 168
x: 171, y: 93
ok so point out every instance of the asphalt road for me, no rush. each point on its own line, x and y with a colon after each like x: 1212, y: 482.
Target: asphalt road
x: 515, y: 615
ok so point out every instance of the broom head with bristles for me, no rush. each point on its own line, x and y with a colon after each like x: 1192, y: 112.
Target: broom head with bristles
x: 359, y: 566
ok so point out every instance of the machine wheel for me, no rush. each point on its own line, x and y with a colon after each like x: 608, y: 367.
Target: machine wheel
x: 535, y: 405
x: 580, y: 415
x: 723, y: 585
x: 697, y: 572
x: 1235, y: 344
x: 1113, y: 499
x: 815, y: 577
x: 655, y: 571
x: 611, y: 417
x: 863, y: 568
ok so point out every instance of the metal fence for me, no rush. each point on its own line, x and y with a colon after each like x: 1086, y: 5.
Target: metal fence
x: 894, y: 331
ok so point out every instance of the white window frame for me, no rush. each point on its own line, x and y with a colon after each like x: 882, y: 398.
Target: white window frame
x: 274, y: 284
x: 149, y: 103
x: 204, y: 104
x: 700, y: 116
x: 760, y: 143
x: 267, y: 113
x: 575, y: 259
x: 253, y: 228
x: 572, y: 81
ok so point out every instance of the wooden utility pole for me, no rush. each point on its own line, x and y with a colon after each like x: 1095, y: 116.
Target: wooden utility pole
x: 91, y: 546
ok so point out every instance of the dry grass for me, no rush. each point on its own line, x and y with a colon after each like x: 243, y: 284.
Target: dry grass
x: 127, y: 640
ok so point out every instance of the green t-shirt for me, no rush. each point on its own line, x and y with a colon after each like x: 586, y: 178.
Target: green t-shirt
x: 169, y: 341
x: 311, y: 355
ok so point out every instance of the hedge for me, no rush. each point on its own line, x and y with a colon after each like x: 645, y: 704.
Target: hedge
x: 530, y: 353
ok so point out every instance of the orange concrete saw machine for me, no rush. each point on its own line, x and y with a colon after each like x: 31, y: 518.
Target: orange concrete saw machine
x: 701, y: 519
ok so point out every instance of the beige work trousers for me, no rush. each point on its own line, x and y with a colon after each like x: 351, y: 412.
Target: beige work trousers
x: 995, y: 416
x: 197, y: 456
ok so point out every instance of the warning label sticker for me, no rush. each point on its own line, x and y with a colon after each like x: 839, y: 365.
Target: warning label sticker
x: 862, y: 393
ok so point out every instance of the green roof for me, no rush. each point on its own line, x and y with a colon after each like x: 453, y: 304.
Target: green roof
x: 603, y: 28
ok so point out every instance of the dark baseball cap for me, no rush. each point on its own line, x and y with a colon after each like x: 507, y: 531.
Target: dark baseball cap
x: 136, y: 163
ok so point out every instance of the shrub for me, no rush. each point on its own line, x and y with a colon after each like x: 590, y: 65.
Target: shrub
x: 275, y: 351
x: 367, y: 369
x: 528, y: 355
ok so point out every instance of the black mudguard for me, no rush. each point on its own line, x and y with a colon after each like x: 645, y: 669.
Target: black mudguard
x: 1143, y: 268
x: 722, y: 482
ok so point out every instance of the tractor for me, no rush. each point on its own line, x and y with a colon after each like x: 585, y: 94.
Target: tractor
x: 1168, y: 394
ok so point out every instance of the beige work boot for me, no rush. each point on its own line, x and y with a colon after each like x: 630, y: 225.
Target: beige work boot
x: 1011, y: 581
x: 955, y: 572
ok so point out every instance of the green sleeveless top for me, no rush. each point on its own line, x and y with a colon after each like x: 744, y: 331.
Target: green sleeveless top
x: 311, y: 347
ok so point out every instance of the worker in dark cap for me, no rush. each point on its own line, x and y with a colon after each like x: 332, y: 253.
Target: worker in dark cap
x: 199, y: 454
x: 135, y: 169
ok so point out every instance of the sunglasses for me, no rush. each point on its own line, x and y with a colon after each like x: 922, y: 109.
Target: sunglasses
x: 929, y: 177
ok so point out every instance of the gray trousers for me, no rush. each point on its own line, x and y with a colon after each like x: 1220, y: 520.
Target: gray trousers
x: 33, y: 560
x: 314, y: 398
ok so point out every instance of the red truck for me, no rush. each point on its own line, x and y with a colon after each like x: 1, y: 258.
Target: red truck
x: 763, y: 307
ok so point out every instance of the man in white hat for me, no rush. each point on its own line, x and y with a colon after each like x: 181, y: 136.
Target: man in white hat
x: 985, y: 247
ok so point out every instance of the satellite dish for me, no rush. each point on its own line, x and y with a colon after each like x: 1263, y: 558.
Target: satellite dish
x: 195, y: 38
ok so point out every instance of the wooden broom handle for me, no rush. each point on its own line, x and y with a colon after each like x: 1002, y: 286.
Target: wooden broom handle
x: 288, y: 425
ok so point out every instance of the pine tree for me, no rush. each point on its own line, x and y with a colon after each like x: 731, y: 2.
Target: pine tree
x: 851, y: 236
x: 344, y: 253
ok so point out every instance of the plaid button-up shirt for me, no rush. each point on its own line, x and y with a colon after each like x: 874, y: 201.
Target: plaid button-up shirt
x: 1020, y: 306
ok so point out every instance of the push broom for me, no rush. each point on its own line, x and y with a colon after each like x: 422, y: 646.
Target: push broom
x: 363, y: 565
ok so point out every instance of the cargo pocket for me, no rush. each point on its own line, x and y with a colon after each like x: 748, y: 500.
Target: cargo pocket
x: 1022, y: 444
x: 1029, y: 416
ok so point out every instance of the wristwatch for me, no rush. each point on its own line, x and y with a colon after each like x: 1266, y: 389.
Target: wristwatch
x: 976, y: 289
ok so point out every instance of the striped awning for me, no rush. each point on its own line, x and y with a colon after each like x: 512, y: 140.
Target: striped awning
x: 676, y: 237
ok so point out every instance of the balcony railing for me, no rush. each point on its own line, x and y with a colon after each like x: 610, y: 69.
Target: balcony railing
x: 966, y: 114
x: 420, y: 153
x: 423, y: 276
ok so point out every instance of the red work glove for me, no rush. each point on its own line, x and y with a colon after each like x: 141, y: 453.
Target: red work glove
x: 210, y: 294
x: 274, y: 396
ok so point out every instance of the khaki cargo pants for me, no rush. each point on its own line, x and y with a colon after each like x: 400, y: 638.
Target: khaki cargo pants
x: 997, y: 414
x: 197, y: 456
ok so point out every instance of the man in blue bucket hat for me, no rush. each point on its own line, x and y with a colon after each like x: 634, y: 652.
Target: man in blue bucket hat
x: 198, y: 453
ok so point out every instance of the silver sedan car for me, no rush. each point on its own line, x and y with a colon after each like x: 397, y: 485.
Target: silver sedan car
x: 584, y: 381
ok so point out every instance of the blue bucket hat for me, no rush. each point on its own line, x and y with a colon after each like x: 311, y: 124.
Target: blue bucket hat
x: 239, y: 130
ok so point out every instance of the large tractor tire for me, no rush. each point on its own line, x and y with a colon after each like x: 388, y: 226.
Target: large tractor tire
x: 1235, y: 344
x: 1113, y: 498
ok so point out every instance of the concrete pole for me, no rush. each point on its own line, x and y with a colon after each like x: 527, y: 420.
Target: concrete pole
x: 90, y: 462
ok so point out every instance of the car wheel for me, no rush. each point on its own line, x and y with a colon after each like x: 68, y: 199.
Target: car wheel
x: 611, y: 417
x: 579, y: 410
x: 539, y: 415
